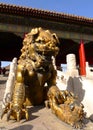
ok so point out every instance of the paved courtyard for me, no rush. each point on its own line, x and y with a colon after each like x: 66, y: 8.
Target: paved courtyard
x: 41, y: 118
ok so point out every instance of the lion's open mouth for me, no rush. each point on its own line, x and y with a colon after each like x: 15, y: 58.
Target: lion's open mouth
x: 46, y: 50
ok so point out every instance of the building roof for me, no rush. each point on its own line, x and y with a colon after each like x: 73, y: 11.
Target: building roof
x: 44, y: 14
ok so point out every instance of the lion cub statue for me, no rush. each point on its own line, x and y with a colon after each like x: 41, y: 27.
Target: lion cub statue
x: 65, y: 106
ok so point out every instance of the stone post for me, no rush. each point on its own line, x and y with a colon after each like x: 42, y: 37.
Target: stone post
x: 71, y: 65
x: 10, y: 83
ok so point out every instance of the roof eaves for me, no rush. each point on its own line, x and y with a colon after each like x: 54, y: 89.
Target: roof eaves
x: 49, y: 15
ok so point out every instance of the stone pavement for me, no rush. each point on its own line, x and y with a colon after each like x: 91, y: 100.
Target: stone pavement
x: 41, y: 118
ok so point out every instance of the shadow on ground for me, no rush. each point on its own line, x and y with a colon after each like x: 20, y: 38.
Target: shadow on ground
x: 23, y: 127
x: 33, y: 110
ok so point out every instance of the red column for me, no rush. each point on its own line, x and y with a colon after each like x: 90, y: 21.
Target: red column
x: 82, y: 59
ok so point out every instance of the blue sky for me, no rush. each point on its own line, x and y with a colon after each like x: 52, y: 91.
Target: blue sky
x: 75, y: 7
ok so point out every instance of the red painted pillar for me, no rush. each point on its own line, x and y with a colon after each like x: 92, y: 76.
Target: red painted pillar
x: 82, y: 59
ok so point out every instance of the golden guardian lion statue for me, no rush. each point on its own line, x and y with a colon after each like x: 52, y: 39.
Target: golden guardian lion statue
x: 36, y: 80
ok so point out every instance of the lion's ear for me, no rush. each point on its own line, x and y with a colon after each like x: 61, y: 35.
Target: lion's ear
x: 34, y: 31
x: 55, y: 37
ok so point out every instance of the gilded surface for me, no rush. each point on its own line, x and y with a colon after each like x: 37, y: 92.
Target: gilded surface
x: 36, y: 80
x: 16, y: 109
x: 38, y: 48
x: 64, y: 105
